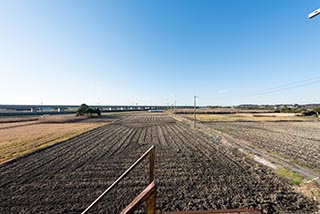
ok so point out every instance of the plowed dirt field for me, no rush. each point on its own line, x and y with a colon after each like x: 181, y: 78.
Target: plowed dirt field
x: 192, y: 172
x: 297, y: 141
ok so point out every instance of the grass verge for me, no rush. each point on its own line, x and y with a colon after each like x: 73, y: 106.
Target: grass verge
x: 294, y: 178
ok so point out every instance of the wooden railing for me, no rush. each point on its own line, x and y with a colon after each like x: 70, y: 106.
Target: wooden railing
x: 148, y: 195
x: 227, y: 211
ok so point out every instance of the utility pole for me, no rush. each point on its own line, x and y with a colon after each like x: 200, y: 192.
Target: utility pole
x: 195, y: 110
x: 175, y: 106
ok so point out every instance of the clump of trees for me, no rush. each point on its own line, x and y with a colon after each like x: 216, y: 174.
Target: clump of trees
x: 313, y: 112
x: 86, y: 110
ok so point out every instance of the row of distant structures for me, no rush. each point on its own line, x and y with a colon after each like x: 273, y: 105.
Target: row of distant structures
x: 68, y: 109
x: 279, y: 106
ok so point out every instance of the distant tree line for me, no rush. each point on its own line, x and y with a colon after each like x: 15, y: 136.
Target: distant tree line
x: 304, y: 112
x: 86, y: 110
x: 291, y: 110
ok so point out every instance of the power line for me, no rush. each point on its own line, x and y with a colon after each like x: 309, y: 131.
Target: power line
x: 287, y: 86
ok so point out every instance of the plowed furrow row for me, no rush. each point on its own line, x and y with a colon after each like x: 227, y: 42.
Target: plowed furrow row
x: 215, y: 150
x: 93, y: 153
x: 61, y: 160
x: 58, y: 148
x: 48, y: 157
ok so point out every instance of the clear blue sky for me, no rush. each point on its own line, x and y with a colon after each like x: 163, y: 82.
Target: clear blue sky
x: 155, y: 52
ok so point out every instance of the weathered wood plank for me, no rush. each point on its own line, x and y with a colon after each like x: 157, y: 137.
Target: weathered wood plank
x: 148, y: 194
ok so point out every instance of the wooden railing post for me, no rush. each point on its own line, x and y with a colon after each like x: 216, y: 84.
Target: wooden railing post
x: 152, y: 157
x: 151, y: 202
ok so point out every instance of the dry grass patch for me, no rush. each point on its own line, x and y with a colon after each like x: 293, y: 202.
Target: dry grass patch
x: 311, y: 190
x: 18, y: 140
x: 247, y: 117
x: 17, y: 119
x: 16, y: 124
x: 61, y: 118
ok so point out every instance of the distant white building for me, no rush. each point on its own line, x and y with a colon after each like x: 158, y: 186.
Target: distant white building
x: 155, y: 110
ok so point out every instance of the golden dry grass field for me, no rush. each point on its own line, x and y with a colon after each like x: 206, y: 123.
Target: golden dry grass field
x: 272, y: 117
x: 19, y: 138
